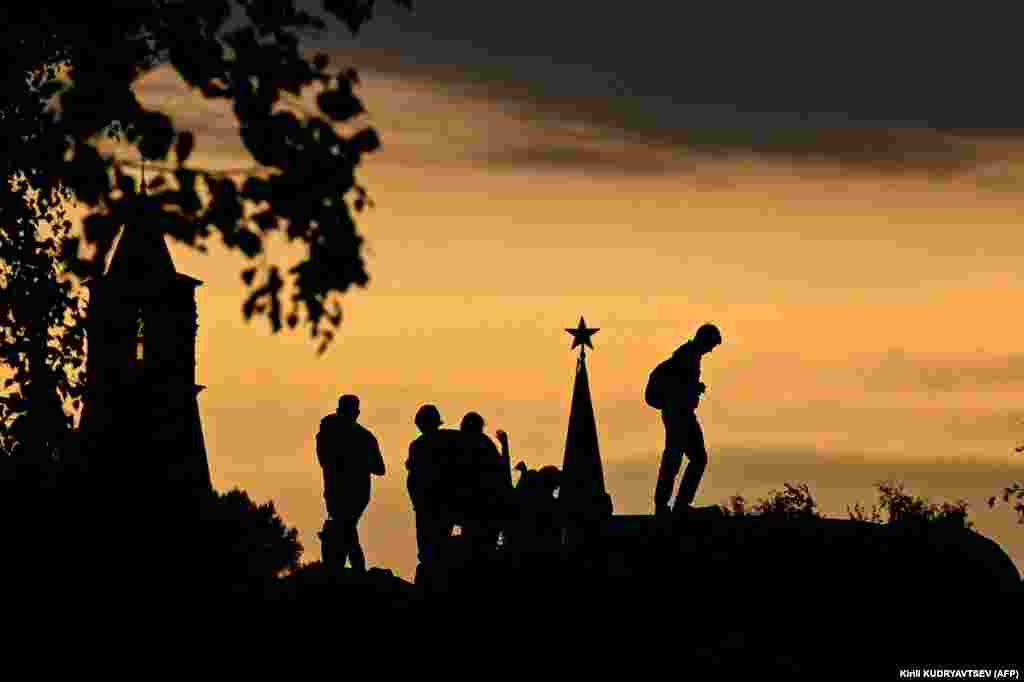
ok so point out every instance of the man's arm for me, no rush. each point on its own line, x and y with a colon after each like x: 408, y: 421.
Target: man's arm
x: 376, y: 459
x: 411, y: 482
x: 506, y: 459
x: 321, y: 444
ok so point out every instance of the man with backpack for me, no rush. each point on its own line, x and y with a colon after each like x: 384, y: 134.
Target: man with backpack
x: 675, y: 388
x: 348, y: 454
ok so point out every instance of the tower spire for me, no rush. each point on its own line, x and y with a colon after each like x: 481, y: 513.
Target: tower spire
x: 582, y: 491
x: 141, y: 252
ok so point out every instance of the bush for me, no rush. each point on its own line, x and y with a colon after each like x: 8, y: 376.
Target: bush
x: 902, y: 507
x: 244, y: 543
x: 1015, y: 491
x: 794, y: 501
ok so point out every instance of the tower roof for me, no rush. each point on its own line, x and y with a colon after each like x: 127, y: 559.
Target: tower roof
x: 141, y: 253
x: 582, y: 473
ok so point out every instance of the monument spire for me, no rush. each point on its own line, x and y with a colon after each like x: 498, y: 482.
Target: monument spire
x: 582, y: 490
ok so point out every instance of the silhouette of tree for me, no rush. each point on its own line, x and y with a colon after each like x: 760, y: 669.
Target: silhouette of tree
x: 238, y: 542
x: 41, y: 336
x: 42, y: 351
x: 70, y: 71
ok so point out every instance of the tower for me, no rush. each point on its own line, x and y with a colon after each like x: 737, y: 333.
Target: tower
x: 140, y: 426
x: 582, y: 495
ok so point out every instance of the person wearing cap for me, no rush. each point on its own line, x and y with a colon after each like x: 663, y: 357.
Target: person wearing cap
x: 429, y: 461
x: 683, y: 434
x: 349, y: 454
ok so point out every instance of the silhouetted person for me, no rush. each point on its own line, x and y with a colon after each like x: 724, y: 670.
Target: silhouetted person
x: 506, y: 459
x: 681, y: 391
x: 348, y: 454
x: 537, y: 526
x: 432, y: 457
x: 484, y: 485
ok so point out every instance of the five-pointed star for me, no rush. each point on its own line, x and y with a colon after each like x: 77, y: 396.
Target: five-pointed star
x: 581, y: 335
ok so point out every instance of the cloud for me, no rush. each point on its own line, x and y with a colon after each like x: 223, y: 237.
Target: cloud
x: 576, y: 157
x: 433, y: 108
x: 867, y: 91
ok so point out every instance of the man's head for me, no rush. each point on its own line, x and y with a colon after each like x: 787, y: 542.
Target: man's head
x: 707, y: 337
x: 428, y: 418
x: 348, y: 406
x: 472, y: 423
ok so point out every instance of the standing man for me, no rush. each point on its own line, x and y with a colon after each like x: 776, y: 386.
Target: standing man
x: 348, y: 454
x: 680, y: 390
x: 433, y: 456
x: 485, y: 484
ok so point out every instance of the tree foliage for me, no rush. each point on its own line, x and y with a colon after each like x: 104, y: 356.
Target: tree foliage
x: 68, y: 88
x: 793, y: 501
x: 796, y: 501
x: 901, y: 506
x: 239, y: 542
x: 84, y: 63
x: 1012, y: 494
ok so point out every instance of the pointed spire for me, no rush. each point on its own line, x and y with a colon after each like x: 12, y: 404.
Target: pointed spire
x: 141, y: 253
x: 582, y: 474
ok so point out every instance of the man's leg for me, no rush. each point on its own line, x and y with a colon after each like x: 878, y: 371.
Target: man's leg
x: 336, y: 539
x: 671, y: 460
x: 426, y: 547
x: 698, y: 456
x: 355, y: 551
x: 425, y: 533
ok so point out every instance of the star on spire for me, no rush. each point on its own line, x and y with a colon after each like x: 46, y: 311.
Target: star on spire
x: 581, y: 336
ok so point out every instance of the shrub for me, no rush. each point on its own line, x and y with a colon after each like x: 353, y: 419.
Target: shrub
x: 794, y: 501
x: 902, y: 506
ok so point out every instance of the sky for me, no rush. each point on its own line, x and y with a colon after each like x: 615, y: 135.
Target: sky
x: 842, y: 196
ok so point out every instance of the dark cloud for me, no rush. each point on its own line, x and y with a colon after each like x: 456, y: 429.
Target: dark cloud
x: 849, y: 85
x: 566, y: 156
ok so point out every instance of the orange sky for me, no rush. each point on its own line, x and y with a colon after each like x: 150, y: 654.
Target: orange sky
x: 870, y: 321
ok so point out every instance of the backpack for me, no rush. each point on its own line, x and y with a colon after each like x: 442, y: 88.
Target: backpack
x: 325, y: 446
x: 657, y: 384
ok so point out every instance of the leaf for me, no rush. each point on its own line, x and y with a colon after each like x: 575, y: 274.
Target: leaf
x: 125, y: 183
x: 320, y: 62
x: 353, y: 13
x: 249, y: 242
x: 340, y: 105
x: 157, y: 135
x: 188, y: 196
x: 266, y: 220
x: 184, y: 146
x: 247, y: 275
x: 366, y: 140
x: 256, y: 189
x: 87, y: 175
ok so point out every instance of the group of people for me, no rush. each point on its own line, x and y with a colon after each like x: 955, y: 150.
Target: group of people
x: 460, y: 477
x: 456, y: 478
